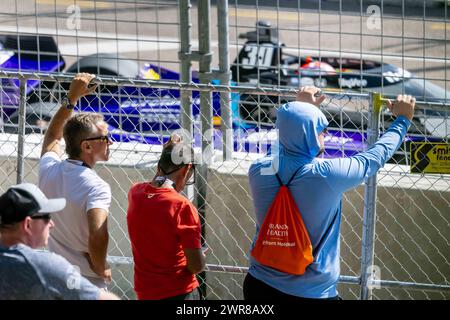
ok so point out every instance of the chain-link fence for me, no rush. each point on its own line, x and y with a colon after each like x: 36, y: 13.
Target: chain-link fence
x: 385, y: 46
x: 412, y: 242
x: 51, y: 36
x: 385, y: 41
x: 411, y: 223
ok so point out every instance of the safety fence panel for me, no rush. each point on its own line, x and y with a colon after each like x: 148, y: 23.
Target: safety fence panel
x: 230, y: 219
x: 413, y: 224
x: 391, y: 47
x: 411, y: 240
x: 65, y: 35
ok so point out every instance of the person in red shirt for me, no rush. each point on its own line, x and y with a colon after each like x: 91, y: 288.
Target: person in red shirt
x: 164, y: 229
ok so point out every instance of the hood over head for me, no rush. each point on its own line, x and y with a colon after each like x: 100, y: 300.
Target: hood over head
x: 299, y: 124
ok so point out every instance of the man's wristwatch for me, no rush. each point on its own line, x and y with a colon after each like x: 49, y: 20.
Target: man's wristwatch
x: 66, y: 103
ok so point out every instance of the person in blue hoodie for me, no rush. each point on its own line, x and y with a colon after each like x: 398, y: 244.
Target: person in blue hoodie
x: 317, y: 189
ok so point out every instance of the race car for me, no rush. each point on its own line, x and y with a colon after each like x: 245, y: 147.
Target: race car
x: 263, y: 61
x: 149, y: 115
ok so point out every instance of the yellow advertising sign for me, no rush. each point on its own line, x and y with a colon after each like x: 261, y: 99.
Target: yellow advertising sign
x: 430, y: 157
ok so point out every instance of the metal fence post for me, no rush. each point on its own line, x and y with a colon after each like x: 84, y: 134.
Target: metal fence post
x: 21, y: 128
x: 370, y: 198
x: 224, y: 71
x: 204, y: 55
x: 185, y: 74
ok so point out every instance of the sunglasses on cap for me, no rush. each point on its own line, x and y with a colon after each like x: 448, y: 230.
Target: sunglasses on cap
x: 45, y: 217
x: 105, y: 138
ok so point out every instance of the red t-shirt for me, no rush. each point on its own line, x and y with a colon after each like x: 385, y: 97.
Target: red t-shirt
x: 161, y: 222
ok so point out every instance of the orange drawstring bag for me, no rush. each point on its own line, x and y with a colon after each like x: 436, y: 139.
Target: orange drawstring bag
x: 283, y: 242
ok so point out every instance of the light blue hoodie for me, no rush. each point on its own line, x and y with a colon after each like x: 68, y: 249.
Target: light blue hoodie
x: 317, y: 189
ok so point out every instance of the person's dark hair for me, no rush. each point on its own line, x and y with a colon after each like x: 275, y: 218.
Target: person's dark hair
x: 175, y: 154
x: 77, y: 128
x: 10, y: 227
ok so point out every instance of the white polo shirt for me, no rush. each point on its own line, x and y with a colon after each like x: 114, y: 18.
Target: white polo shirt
x: 83, y: 190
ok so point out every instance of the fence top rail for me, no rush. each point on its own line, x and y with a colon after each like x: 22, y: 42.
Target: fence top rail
x: 141, y: 83
x: 177, y: 85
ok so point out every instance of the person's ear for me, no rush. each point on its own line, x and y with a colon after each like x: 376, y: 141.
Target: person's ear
x: 26, y: 225
x: 86, y: 147
x: 187, y: 169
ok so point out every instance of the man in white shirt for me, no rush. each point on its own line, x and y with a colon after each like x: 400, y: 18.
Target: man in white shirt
x: 81, y: 235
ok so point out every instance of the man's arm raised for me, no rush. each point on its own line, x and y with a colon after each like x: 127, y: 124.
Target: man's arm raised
x: 79, y: 87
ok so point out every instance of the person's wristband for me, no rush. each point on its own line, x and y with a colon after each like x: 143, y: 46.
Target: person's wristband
x: 66, y: 103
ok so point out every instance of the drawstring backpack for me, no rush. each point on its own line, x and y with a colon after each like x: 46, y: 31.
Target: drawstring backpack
x: 283, y: 242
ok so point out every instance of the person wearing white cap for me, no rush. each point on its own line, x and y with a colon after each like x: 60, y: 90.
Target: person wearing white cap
x: 26, y: 273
